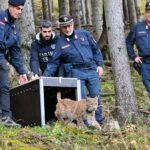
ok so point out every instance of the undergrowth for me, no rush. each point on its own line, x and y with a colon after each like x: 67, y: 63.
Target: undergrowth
x: 67, y: 137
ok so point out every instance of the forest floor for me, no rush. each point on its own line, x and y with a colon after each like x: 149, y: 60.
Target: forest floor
x: 67, y: 137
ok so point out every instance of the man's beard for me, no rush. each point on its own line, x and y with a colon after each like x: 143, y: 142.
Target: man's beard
x: 70, y: 33
x: 47, y: 38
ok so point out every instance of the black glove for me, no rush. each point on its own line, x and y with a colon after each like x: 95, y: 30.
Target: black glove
x: 137, y: 67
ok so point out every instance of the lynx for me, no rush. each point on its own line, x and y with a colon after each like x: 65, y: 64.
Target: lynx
x: 68, y: 110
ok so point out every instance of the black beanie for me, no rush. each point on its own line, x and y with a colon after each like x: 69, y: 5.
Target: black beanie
x: 16, y: 2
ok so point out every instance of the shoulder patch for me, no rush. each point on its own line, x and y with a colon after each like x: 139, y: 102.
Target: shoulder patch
x: 2, y: 23
x: 65, y: 46
x: 140, y: 32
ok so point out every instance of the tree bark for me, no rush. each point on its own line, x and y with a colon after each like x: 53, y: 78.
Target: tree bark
x: 83, y: 11
x: 75, y: 8
x: 63, y: 7
x: 125, y: 11
x: 50, y: 9
x: 3, y: 4
x: 97, y: 18
x: 27, y: 30
x: 88, y: 12
x: 132, y: 13
x: 137, y: 7
x: 125, y: 97
x: 45, y: 9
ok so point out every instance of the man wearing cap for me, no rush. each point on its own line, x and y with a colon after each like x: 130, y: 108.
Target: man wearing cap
x: 80, y: 50
x: 140, y: 35
x: 10, y: 43
x: 42, y: 48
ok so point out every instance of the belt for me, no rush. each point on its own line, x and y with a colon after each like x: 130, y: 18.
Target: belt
x: 83, y: 65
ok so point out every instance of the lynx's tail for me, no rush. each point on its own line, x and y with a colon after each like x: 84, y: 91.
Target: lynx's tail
x: 59, y: 96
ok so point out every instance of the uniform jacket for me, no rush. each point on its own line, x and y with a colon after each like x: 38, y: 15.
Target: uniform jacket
x: 41, y: 52
x: 139, y: 35
x: 79, y: 49
x: 10, y: 41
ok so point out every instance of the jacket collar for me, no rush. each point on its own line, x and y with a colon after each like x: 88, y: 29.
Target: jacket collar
x: 39, y: 40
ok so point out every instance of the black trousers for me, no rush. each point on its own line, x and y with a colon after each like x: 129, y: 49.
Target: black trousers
x: 4, y: 89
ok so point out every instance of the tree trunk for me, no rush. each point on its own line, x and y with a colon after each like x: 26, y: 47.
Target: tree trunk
x: 88, y: 12
x: 3, y: 4
x: 125, y: 11
x: 50, y: 7
x: 97, y: 18
x: 103, y: 40
x: 27, y: 29
x: 75, y: 8
x: 132, y: 13
x: 45, y: 9
x: 125, y: 97
x: 83, y: 11
x: 137, y: 7
x: 63, y: 7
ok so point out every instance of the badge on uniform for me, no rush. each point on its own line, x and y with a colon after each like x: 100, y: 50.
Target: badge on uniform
x: 14, y: 29
x: 53, y: 46
x: 82, y: 39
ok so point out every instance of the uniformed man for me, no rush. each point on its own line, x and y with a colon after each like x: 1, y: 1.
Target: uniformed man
x: 42, y: 48
x: 79, y: 50
x: 10, y: 42
x: 140, y: 35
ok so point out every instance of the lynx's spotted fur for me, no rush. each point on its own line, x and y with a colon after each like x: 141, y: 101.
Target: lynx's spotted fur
x: 68, y: 110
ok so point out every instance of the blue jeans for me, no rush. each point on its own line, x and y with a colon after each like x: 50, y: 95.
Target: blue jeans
x: 4, y: 89
x: 90, y: 80
x: 145, y: 72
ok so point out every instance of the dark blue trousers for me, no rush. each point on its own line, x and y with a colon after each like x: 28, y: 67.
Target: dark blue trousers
x: 4, y: 89
x: 90, y: 81
x: 145, y: 72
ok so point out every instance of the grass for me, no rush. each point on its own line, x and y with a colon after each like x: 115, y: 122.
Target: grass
x: 61, y: 137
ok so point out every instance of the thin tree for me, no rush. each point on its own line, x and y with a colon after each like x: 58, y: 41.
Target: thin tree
x: 63, y: 7
x: 45, y: 9
x: 132, y: 13
x: 83, y: 11
x: 125, y: 11
x: 137, y: 7
x: 125, y: 97
x: 97, y: 18
x: 50, y: 8
x: 75, y: 8
x: 88, y: 12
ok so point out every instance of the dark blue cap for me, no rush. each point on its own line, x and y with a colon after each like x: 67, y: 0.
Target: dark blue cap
x: 16, y: 2
x: 65, y: 20
x: 147, y: 6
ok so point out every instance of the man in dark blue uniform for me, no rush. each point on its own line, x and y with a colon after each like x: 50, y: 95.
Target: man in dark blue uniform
x: 10, y: 43
x: 80, y: 52
x: 140, y: 35
x: 42, y: 49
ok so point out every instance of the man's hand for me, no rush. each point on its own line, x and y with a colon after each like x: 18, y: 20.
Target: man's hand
x: 23, y: 79
x: 138, y: 60
x: 100, y: 71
